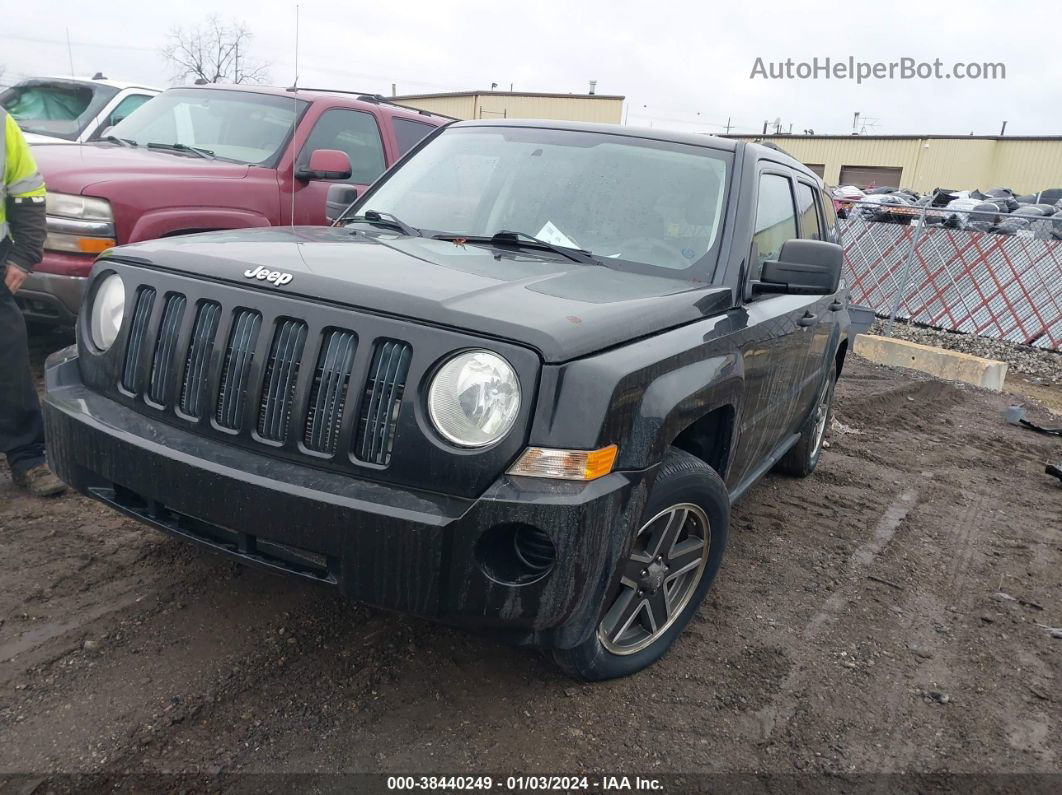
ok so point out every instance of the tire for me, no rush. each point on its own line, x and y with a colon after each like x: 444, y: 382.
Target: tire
x: 684, y: 484
x: 803, y: 457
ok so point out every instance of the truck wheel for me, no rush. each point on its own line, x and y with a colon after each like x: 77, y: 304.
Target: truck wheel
x: 673, y: 559
x: 803, y: 457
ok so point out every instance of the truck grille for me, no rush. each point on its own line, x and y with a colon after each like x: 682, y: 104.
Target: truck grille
x: 257, y: 382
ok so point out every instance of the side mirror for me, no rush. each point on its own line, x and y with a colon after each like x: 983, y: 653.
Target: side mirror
x: 325, y: 164
x: 339, y: 198
x: 804, y: 267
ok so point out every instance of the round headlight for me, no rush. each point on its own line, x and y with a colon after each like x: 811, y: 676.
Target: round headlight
x: 474, y: 399
x: 108, y: 309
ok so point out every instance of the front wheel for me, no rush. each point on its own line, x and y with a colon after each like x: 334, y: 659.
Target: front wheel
x: 673, y: 558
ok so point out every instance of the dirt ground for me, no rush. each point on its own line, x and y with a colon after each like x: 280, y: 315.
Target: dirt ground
x: 888, y: 614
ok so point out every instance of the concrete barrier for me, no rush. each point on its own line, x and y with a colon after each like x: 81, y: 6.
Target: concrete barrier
x: 945, y: 364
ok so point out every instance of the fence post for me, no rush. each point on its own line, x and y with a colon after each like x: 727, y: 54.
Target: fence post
x: 902, y: 288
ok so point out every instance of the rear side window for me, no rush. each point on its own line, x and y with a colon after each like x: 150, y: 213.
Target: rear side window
x: 60, y: 108
x: 829, y: 216
x: 354, y: 132
x: 807, y: 209
x: 125, y: 107
x: 409, y: 133
x: 775, y: 219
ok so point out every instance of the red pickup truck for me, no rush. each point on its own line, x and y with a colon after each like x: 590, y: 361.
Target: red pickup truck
x: 205, y: 158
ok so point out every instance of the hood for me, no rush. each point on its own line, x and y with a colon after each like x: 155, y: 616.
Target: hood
x: 73, y: 168
x: 563, y: 309
x: 39, y: 138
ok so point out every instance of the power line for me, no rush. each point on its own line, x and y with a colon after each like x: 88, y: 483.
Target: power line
x: 105, y: 46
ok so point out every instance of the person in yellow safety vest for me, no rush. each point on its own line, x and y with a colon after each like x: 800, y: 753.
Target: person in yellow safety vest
x: 22, y: 233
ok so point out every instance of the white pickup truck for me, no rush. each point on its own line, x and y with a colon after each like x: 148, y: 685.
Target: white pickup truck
x: 71, y: 109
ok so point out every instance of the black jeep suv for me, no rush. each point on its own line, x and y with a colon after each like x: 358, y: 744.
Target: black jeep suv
x: 517, y: 387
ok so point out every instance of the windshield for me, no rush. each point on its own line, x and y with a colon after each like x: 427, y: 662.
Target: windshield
x: 242, y: 127
x: 627, y: 199
x: 62, y: 108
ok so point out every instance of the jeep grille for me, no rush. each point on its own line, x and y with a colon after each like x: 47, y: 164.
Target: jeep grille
x: 266, y: 393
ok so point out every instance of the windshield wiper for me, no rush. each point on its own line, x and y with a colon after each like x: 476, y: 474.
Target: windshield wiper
x: 114, y: 139
x: 508, y: 237
x: 206, y: 154
x: 385, y: 219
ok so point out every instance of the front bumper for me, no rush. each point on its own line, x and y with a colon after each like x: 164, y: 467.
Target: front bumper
x: 52, y: 293
x: 392, y: 547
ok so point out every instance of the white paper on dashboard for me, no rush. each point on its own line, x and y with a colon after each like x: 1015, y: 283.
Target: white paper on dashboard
x: 552, y: 234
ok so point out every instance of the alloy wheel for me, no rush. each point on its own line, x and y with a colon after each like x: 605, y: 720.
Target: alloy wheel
x: 658, y: 579
x: 822, y: 411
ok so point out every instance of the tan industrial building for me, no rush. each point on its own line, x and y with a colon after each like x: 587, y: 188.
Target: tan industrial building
x: 515, y: 105
x: 1024, y: 164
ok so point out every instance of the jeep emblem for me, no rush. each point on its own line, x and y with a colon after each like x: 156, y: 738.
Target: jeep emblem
x: 279, y: 278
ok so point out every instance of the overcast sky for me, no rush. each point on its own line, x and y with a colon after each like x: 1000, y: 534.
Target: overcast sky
x: 682, y: 65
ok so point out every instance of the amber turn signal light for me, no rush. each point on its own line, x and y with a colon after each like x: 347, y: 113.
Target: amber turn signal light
x: 94, y: 245
x: 541, y: 462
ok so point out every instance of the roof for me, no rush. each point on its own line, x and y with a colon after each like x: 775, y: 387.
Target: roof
x: 959, y: 137
x: 366, y: 97
x: 695, y: 139
x: 119, y: 84
x: 654, y: 134
x: 507, y: 94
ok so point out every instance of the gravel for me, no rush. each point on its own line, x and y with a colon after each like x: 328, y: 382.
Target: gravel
x: 1044, y: 366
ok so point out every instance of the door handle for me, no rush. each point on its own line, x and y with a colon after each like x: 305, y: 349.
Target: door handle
x: 836, y: 306
x: 808, y: 319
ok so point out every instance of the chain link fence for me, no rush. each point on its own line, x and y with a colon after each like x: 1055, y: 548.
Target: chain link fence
x: 960, y: 270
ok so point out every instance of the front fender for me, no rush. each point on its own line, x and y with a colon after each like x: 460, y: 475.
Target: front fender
x: 160, y: 223
x: 639, y: 396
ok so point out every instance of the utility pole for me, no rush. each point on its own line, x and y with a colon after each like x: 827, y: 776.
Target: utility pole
x: 69, y: 52
x: 765, y: 127
x: 728, y: 125
x: 1003, y: 131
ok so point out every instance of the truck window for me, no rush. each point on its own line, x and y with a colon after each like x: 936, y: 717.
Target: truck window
x: 807, y: 209
x: 125, y: 107
x: 354, y: 132
x: 239, y: 126
x: 775, y: 219
x: 409, y: 133
x: 60, y: 108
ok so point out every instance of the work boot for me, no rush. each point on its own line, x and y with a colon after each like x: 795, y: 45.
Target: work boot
x: 38, y: 481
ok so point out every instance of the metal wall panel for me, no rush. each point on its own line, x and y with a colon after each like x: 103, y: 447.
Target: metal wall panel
x: 488, y: 105
x: 1025, y: 165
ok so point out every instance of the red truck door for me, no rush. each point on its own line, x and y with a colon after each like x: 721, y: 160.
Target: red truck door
x: 356, y: 132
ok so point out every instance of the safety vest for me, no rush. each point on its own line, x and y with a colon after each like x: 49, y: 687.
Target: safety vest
x: 21, y: 179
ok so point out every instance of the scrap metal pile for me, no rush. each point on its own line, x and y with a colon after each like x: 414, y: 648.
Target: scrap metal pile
x: 997, y: 211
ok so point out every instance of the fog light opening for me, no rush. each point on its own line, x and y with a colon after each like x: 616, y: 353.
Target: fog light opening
x: 516, y: 554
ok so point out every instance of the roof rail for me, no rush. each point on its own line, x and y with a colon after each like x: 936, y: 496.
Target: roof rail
x: 368, y: 96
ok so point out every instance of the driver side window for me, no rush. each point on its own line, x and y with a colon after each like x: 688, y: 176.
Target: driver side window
x: 354, y: 132
x: 775, y: 219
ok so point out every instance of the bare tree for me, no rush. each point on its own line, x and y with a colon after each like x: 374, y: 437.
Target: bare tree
x: 215, y: 52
